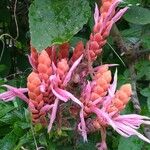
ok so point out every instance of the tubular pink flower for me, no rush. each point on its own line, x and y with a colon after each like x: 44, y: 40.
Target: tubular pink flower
x: 125, y: 125
x: 96, y: 14
x: 58, y: 95
x: 111, y: 17
x: 14, y: 92
x: 46, y: 108
x: 75, y: 64
x: 129, y: 130
x: 31, y: 62
x: 119, y: 14
x: 87, y: 92
x: 111, y: 92
x: 43, y: 87
x: 110, y: 13
x: 104, y: 116
x: 64, y: 95
x: 113, y: 86
x: 53, y: 114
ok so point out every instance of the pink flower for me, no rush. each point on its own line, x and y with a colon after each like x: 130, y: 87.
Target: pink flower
x: 125, y: 125
x: 63, y: 95
x: 13, y: 92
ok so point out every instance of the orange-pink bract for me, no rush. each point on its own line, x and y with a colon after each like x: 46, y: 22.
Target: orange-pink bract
x: 104, y: 19
x: 38, y: 87
x: 121, y: 98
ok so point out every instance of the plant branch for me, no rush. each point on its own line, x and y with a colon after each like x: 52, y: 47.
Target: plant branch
x: 135, y: 99
x: 130, y: 52
x: 15, y: 5
x: 6, y: 34
x: 119, y: 40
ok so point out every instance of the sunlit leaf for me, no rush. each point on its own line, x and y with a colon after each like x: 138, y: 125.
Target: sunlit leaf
x: 132, y: 143
x: 138, y: 15
x: 54, y: 22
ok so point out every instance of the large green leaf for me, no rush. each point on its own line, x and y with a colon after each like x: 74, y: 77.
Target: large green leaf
x: 55, y: 21
x: 4, y: 109
x: 132, y: 143
x: 9, y: 141
x: 145, y: 92
x: 148, y: 103
x: 130, y: 3
x: 143, y: 70
x: 138, y: 15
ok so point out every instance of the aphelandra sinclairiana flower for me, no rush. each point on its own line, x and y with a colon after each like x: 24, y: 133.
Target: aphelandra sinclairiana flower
x: 46, y: 85
x: 107, y: 108
x: 100, y: 104
x: 104, y: 20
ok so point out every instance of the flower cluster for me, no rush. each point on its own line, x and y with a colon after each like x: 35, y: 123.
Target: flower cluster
x: 98, y: 102
x: 104, y: 20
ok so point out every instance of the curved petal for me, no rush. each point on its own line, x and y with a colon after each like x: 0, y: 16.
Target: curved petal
x: 112, y: 88
x: 69, y: 95
x: 53, y: 114
x: 111, y: 9
x: 73, y: 98
x: 46, y: 108
x: 75, y: 64
x: 102, y: 115
x: 129, y: 130
x: 31, y: 62
x: 96, y: 14
x: 83, y: 125
x: 14, y: 92
x: 88, y: 91
x: 119, y: 14
x: 58, y: 95
x: 43, y: 87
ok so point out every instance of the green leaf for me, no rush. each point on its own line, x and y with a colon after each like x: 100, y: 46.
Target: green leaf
x: 3, y: 67
x: 43, y: 140
x: 9, y: 141
x: 132, y: 143
x: 145, y: 92
x: 87, y: 146
x: 143, y: 69
x: 132, y: 2
x: 146, y: 41
x: 132, y: 32
x: 55, y: 22
x: 4, y: 109
x: 148, y: 103
x: 138, y: 15
x: 27, y: 138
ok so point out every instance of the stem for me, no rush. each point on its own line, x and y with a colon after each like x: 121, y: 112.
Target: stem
x: 135, y: 99
x: 130, y: 53
x: 119, y: 40
x: 90, y: 68
x: 15, y: 5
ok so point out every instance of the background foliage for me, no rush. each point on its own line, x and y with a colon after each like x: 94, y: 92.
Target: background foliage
x: 53, y: 22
